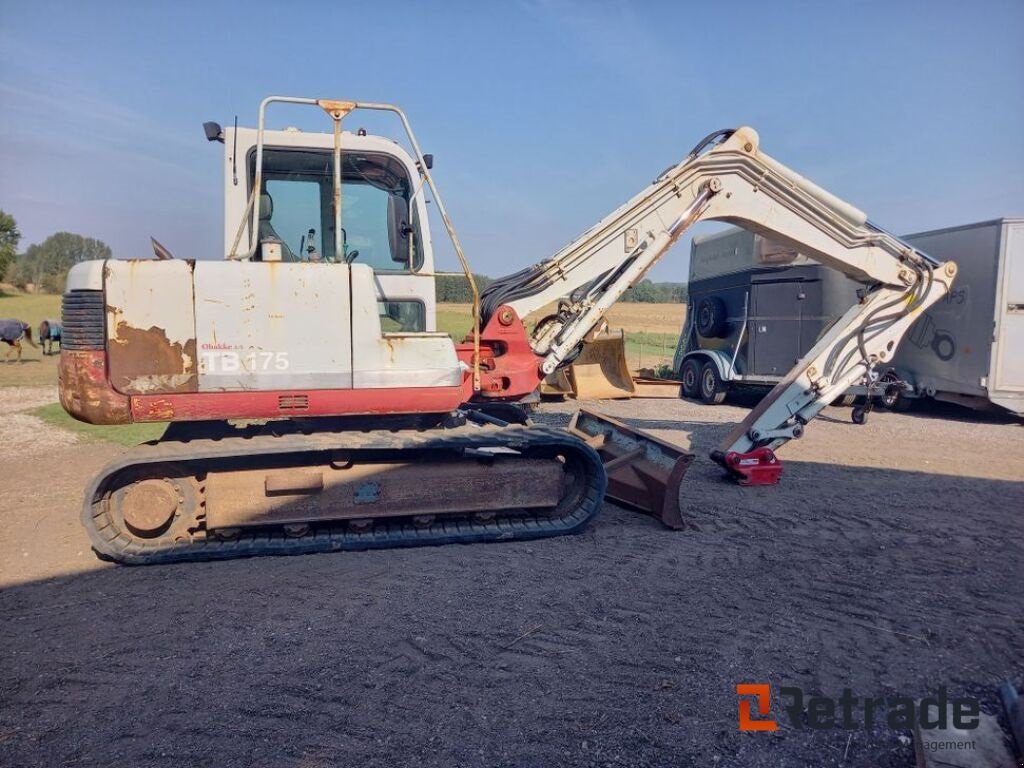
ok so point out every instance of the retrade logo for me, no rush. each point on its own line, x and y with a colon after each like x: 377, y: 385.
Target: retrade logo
x: 763, y: 696
x: 849, y: 712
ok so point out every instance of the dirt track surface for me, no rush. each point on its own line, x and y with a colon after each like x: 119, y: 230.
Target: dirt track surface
x: 888, y: 561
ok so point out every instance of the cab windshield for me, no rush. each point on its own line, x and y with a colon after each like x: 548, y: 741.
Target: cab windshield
x: 296, y: 208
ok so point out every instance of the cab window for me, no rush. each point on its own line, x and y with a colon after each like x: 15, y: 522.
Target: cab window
x: 297, y: 208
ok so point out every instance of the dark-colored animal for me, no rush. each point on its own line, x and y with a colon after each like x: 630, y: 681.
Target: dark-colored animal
x: 50, y: 332
x: 12, y: 332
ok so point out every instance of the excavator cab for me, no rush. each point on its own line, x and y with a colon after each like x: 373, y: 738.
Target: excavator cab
x: 324, y: 304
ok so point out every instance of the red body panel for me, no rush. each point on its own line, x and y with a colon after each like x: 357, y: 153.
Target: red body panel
x: 509, y: 369
x: 85, y: 390
x: 215, y: 406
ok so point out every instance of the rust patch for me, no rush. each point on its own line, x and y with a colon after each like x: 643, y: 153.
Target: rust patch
x: 391, y: 349
x: 146, y: 362
x: 156, y: 410
x: 85, y: 392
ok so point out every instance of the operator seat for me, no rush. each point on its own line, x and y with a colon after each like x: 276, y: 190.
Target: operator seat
x: 267, y: 231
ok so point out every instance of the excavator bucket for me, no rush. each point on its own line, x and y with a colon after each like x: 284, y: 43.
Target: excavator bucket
x: 557, y: 384
x: 643, y: 472
x: 599, y: 373
x: 655, y: 389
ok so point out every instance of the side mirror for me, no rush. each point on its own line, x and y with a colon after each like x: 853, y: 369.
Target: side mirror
x: 428, y: 160
x: 213, y: 132
x: 398, y: 228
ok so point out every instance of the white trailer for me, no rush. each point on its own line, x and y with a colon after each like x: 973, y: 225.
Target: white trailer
x: 968, y: 348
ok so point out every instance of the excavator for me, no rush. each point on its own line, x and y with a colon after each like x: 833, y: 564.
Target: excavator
x: 314, y: 406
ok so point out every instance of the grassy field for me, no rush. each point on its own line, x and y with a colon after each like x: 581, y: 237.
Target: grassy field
x: 651, y: 333
x: 37, y: 370
x: 128, y: 434
x: 652, y: 330
x: 30, y: 307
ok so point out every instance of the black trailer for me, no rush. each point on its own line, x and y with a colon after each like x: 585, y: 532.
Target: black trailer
x: 754, y: 309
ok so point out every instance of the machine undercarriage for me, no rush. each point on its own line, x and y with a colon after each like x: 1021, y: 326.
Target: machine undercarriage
x: 217, y: 491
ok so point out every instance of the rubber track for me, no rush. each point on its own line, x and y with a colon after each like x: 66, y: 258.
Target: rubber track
x: 111, y: 542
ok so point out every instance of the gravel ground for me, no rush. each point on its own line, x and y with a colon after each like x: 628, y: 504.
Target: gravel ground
x: 887, y: 561
x: 23, y: 434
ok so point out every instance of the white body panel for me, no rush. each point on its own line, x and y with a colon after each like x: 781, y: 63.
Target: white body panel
x: 395, y: 359
x: 257, y: 326
x: 86, y: 276
x: 273, y: 325
x: 147, y: 294
x: 150, y: 329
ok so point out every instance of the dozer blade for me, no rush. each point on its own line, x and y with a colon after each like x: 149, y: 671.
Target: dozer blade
x: 600, y: 372
x: 643, y: 472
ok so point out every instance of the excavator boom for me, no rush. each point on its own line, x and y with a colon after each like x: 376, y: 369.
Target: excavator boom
x: 728, y: 178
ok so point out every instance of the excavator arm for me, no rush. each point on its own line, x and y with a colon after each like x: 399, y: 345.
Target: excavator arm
x: 728, y: 178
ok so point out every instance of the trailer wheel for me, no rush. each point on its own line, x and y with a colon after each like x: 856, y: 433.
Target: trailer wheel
x: 711, y: 317
x: 859, y: 415
x: 892, y: 399
x: 691, y: 378
x: 712, y: 388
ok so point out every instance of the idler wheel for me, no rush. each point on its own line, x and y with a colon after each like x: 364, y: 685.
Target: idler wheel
x: 149, y: 506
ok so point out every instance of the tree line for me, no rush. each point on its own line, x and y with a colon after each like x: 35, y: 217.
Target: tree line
x: 44, y: 266
x: 455, y: 289
x: 647, y: 292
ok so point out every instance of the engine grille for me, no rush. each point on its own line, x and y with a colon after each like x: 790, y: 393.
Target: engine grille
x: 293, y: 402
x: 83, y: 315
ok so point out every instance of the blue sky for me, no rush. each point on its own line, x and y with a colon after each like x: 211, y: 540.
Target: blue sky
x: 543, y: 115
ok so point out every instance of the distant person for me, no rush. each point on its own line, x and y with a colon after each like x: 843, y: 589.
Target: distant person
x: 11, y: 333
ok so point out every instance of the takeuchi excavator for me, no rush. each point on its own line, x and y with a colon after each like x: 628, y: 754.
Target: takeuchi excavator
x: 314, y: 406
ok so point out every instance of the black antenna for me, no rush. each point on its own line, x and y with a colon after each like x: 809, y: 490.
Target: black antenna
x: 234, y: 156
x: 161, y: 252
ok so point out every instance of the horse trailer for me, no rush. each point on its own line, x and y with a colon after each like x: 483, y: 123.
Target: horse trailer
x: 755, y: 307
x: 967, y: 348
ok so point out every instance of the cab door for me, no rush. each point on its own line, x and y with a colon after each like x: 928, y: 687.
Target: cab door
x: 382, y: 230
